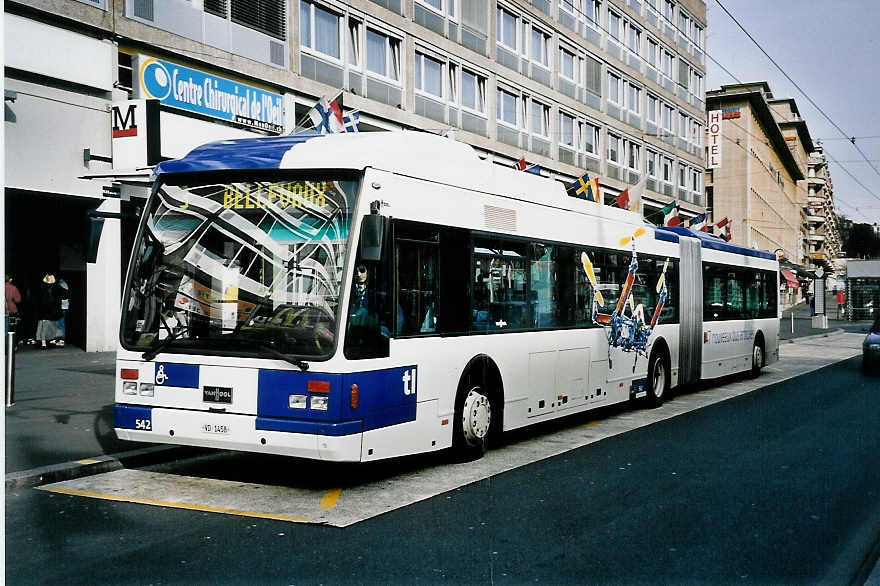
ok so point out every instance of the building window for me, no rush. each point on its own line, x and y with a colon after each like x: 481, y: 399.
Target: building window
x: 590, y: 138
x: 651, y: 108
x: 265, y: 16
x: 428, y: 75
x: 614, y: 89
x: 695, y: 181
x: 633, y: 155
x: 506, y: 107
x: 319, y: 30
x: 614, y: 25
x: 668, y: 58
x: 653, y: 52
x: 634, y: 98
x: 682, y: 176
x: 506, y: 29
x: 540, y: 47
x: 567, y: 64
x: 682, y: 125
x: 593, y: 77
x: 613, y: 149
x: 473, y: 91
x: 633, y: 38
x: 383, y: 55
x: 668, y: 113
x: 566, y: 130
x: 651, y: 163
x: 667, y: 170
x: 668, y: 7
x: 696, y: 133
x: 540, y: 119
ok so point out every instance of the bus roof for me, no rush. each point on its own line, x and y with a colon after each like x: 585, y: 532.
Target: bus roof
x: 672, y: 234
x: 415, y: 154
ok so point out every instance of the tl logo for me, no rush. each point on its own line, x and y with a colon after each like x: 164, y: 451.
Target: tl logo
x: 409, y: 381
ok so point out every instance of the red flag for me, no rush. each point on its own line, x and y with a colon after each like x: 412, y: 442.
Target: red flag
x: 622, y: 200
x: 674, y: 221
x: 520, y: 165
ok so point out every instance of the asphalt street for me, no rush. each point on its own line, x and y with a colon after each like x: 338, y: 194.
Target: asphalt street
x: 774, y: 486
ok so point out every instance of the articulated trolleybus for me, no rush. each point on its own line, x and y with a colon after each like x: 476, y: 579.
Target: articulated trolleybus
x: 363, y: 296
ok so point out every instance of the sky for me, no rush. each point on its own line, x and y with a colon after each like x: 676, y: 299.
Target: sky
x: 831, y: 50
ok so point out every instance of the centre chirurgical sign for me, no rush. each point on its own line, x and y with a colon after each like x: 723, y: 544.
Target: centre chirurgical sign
x: 188, y: 89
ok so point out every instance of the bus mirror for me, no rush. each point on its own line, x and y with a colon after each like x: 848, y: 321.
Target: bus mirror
x: 372, y: 237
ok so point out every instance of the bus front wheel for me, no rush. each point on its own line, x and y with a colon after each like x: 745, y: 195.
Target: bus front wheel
x: 658, y: 378
x: 473, y: 423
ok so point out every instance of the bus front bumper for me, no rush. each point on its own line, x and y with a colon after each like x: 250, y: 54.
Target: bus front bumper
x: 231, y: 432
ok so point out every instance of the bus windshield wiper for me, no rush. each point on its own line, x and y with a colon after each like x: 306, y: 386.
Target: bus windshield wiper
x: 301, y: 364
x: 154, y: 350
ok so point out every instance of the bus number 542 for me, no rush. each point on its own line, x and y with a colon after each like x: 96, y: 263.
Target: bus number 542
x: 144, y: 424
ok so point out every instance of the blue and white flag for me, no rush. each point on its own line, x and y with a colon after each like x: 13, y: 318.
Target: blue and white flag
x: 326, y: 115
x: 351, y: 122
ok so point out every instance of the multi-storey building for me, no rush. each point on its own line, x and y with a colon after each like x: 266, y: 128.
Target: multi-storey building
x: 823, y: 236
x: 614, y: 87
x: 756, y: 185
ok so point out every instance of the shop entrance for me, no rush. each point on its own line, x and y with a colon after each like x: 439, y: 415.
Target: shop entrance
x: 48, y: 234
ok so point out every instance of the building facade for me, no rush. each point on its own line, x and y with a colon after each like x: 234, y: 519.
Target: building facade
x: 615, y: 88
x: 756, y: 185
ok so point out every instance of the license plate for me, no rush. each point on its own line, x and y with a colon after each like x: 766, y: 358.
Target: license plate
x: 217, y: 394
x: 215, y: 428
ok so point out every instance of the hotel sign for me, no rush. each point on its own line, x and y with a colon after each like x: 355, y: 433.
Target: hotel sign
x: 188, y: 89
x: 714, y: 161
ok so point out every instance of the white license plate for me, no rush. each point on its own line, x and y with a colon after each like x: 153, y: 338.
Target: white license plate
x: 215, y: 428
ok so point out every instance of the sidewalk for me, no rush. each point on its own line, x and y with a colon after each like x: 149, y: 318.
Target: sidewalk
x: 803, y: 323
x: 62, y: 415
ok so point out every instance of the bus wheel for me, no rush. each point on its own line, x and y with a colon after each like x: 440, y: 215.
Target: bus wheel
x: 658, y: 378
x: 757, y: 359
x: 473, y: 421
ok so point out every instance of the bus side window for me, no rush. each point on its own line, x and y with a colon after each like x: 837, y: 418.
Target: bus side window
x: 416, y: 264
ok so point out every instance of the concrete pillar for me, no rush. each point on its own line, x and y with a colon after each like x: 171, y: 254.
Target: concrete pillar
x: 104, y: 284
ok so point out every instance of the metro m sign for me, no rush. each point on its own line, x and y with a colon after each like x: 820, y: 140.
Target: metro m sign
x: 124, y: 124
x: 715, y: 117
x: 134, y: 132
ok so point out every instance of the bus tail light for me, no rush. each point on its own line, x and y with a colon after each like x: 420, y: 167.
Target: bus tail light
x: 318, y: 403
x: 147, y: 389
x: 130, y: 388
x: 129, y: 373
x: 355, y: 396
x: 318, y: 386
x: 297, y: 401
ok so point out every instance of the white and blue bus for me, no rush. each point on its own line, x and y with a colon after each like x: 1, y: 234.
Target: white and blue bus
x: 363, y: 296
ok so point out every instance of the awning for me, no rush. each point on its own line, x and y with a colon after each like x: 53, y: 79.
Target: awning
x: 790, y: 279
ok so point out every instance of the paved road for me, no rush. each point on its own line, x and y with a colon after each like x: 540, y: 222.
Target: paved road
x: 777, y: 485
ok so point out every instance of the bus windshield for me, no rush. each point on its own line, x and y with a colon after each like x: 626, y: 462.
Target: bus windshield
x: 240, y: 265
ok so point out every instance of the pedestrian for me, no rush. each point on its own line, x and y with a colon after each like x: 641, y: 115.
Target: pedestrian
x: 65, y: 305
x: 841, y: 303
x: 49, y: 312
x: 13, y: 298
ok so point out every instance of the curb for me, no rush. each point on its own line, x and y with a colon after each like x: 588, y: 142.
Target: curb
x: 90, y: 466
x: 813, y: 337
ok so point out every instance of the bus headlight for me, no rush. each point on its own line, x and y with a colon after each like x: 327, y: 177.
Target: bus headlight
x: 130, y: 388
x: 296, y: 401
x: 318, y: 403
x: 147, y: 389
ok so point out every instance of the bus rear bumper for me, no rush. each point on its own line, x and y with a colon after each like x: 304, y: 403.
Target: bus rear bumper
x: 230, y: 432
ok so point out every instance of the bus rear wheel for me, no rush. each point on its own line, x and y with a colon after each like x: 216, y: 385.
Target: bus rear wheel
x: 757, y: 359
x: 473, y: 424
x: 658, y: 378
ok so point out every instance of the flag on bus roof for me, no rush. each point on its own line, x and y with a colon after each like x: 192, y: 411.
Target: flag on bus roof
x: 670, y: 215
x: 585, y: 188
x: 326, y: 115
x: 521, y: 164
x: 698, y: 223
x: 622, y: 200
x: 534, y: 169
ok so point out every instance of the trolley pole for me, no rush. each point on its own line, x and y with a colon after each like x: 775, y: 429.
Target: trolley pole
x: 10, y: 369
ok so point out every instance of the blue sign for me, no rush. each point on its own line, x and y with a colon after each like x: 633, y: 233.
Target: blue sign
x: 195, y: 91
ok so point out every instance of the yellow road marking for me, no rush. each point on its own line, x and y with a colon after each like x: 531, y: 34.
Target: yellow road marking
x: 87, y: 461
x: 142, y: 501
x: 330, y: 498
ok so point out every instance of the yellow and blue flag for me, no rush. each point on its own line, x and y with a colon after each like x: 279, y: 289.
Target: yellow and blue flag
x: 586, y: 188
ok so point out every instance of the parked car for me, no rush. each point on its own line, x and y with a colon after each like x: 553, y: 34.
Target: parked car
x: 871, y: 347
